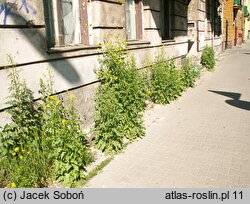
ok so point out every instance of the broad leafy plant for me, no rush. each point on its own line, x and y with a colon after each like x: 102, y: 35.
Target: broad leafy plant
x: 44, y: 142
x: 120, y: 99
x: 166, y: 81
x: 65, y: 141
x: 208, y: 57
x: 190, y: 72
x: 22, y: 161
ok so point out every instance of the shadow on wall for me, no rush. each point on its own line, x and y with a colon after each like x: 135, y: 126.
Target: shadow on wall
x: 64, y: 68
x: 235, y: 99
x: 190, y: 45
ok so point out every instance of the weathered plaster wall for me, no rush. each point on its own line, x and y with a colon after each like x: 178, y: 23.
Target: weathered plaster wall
x: 192, y: 28
x: 108, y: 17
x: 201, y: 31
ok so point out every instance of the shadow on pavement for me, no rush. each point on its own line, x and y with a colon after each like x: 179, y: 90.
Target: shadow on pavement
x: 235, y: 99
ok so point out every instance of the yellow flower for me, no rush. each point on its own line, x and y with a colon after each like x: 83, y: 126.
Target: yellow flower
x: 72, y: 97
x: 13, y: 153
x: 58, y: 102
x: 52, y: 98
x: 99, y: 44
x: 28, y: 153
x: 6, y: 187
x: 64, y: 121
x: 48, y: 106
x: 149, y: 93
x: 23, y: 150
x: 13, y: 185
x: 20, y: 157
x: 17, y: 149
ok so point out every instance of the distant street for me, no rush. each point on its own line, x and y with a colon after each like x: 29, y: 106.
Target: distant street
x: 200, y: 140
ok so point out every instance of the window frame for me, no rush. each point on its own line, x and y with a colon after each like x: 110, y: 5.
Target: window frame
x: 138, y: 20
x: 55, y: 31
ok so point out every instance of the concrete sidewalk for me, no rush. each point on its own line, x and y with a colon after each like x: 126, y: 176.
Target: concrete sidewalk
x: 200, y: 140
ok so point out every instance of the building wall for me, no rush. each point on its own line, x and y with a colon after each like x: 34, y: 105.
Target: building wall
x: 201, y: 30
x: 239, y: 25
x: 25, y: 37
x: 228, y: 20
x: 193, y: 27
x: 247, y: 22
x: 233, y: 15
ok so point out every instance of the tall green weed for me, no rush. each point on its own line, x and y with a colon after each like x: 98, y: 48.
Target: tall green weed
x: 208, y: 57
x: 166, y: 81
x: 120, y: 99
x: 190, y: 72
x: 44, y: 142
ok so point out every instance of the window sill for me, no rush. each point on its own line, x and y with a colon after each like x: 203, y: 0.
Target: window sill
x: 217, y: 37
x: 53, y: 50
x: 168, y: 41
x: 137, y: 42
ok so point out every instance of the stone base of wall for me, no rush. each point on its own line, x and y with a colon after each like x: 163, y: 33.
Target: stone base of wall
x: 84, y: 102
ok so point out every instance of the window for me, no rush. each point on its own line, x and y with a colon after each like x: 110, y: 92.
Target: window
x: 69, y: 25
x: 166, y: 23
x: 213, y: 18
x: 217, y: 18
x: 209, y: 6
x: 209, y: 19
x: 133, y: 19
x: 130, y: 20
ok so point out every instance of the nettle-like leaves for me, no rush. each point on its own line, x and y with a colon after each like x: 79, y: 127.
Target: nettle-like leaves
x: 119, y: 100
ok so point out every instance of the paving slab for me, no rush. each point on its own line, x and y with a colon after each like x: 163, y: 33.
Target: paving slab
x: 200, y: 140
